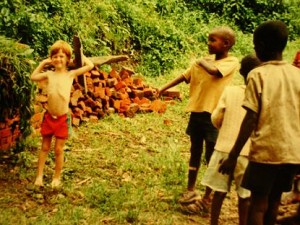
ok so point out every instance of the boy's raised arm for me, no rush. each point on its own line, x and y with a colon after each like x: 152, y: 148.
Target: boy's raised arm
x: 87, y: 66
x: 37, y: 74
x: 217, y: 115
x: 210, y: 68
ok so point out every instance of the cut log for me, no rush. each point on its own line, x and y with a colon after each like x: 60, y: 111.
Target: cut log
x: 100, y: 60
x: 78, y: 60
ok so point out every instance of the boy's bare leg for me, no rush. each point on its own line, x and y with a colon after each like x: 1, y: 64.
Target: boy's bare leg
x: 209, y: 149
x: 207, y: 193
x: 257, y: 209
x: 59, y: 161
x: 272, y: 211
x: 216, y: 206
x: 46, y: 144
x: 243, y: 205
x: 192, y: 178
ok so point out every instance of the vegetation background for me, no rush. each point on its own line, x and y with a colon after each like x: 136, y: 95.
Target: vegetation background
x: 158, y: 35
x: 121, y: 171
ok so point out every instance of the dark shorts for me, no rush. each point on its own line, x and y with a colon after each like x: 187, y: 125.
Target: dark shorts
x: 264, y: 178
x: 59, y: 126
x: 200, y: 129
x: 200, y: 125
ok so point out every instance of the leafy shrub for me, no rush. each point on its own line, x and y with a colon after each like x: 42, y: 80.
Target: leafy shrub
x: 16, y: 89
x: 249, y: 14
x: 40, y: 23
x: 158, y: 35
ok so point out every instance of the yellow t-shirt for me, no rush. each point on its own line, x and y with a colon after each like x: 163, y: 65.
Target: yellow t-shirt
x: 205, y: 89
x: 228, y: 117
x: 273, y: 91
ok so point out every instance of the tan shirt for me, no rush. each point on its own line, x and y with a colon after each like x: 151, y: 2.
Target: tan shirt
x: 58, y: 89
x: 228, y: 117
x: 205, y: 89
x: 273, y: 91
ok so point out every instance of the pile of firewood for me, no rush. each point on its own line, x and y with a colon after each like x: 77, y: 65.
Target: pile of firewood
x: 115, y: 92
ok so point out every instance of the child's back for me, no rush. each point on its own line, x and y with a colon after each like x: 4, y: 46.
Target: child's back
x: 278, y: 129
x: 228, y: 116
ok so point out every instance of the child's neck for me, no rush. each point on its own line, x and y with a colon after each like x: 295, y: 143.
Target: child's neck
x: 222, y: 55
x: 273, y: 57
x: 60, y: 70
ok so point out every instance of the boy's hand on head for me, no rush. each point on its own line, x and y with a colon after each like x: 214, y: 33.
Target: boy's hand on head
x: 47, y: 62
x: 227, y: 165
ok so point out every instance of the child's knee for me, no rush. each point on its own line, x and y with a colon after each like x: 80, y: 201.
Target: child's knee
x: 58, y: 151
x: 45, y: 149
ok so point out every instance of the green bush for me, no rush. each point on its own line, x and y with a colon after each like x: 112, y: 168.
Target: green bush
x: 248, y: 14
x: 158, y: 35
x: 16, y: 89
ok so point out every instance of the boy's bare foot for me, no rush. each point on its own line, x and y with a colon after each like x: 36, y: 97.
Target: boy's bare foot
x: 39, y: 182
x: 55, y: 183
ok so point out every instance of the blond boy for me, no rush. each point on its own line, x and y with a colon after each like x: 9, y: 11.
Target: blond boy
x: 56, y: 120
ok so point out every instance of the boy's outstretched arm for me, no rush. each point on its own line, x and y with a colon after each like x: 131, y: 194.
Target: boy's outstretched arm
x: 173, y: 83
x: 210, y: 68
x: 247, y: 126
x: 87, y: 66
x: 37, y: 74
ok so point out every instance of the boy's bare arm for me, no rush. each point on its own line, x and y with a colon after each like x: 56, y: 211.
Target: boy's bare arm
x: 248, y: 125
x: 217, y: 115
x: 210, y: 68
x: 87, y: 66
x: 37, y: 74
x: 173, y: 83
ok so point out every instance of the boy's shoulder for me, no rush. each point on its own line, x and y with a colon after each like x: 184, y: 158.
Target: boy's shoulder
x: 229, y: 59
x: 275, y: 64
x: 232, y: 57
x: 235, y: 88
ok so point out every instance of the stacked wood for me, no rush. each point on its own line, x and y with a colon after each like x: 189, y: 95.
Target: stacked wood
x: 115, y: 92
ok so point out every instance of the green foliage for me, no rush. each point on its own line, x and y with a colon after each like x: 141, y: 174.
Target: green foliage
x: 16, y: 89
x: 40, y: 23
x: 248, y: 14
x: 158, y: 35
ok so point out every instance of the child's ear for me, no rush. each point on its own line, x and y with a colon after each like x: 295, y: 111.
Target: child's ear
x: 226, y: 43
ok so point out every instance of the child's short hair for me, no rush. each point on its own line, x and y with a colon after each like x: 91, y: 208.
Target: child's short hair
x: 273, y: 35
x: 248, y: 63
x: 64, y: 46
x: 226, y: 33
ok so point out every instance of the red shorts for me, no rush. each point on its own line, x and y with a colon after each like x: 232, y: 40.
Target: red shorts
x: 59, y: 126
